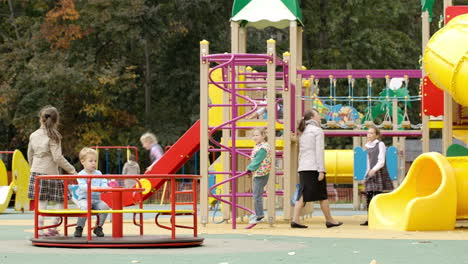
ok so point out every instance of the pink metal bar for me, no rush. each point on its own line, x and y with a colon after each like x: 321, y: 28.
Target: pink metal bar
x: 360, y: 73
x: 402, y: 133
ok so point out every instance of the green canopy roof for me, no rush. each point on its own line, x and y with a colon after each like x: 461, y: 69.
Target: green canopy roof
x: 265, y: 13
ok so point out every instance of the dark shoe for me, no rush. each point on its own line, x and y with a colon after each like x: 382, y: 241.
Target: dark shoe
x: 78, y: 231
x: 98, y: 231
x: 296, y: 225
x: 329, y: 224
x: 365, y: 223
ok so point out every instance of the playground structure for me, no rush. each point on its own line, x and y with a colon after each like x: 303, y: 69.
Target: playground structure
x: 17, y: 185
x: 236, y: 92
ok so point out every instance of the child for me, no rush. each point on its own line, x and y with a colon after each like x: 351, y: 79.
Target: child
x: 88, y: 158
x: 377, y: 178
x: 130, y: 167
x: 260, y: 169
x: 44, y: 157
x: 150, y: 142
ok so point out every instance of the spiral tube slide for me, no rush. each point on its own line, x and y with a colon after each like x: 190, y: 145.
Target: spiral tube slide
x: 431, y: 198
x: 446, y: 59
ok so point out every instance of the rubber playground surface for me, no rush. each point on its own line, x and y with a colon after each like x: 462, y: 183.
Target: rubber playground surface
x: 350, y: 243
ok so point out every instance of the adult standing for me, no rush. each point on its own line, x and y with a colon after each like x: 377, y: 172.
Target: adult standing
x: 377, y: 178
x: 313, y: 184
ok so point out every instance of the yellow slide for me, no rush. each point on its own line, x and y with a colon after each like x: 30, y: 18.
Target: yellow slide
x: 19, y: 183
x: 5, y: 190
x: 431, y: 197
x: 446, y: 58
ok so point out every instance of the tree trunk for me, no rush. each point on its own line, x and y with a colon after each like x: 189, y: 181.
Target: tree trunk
x: 147, y: 84
x: 12, y: 18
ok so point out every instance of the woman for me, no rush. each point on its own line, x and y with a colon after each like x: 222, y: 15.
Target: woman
x: 313, y: 185
x: 377, y: 178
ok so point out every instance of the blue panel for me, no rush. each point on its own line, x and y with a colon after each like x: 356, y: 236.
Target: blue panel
x: 360, y: 164
x: 391, y: 159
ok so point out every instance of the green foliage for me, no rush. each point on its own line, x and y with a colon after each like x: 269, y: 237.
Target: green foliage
x: 88, y: 59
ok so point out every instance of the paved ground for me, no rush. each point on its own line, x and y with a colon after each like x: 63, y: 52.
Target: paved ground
x: 350, y: 243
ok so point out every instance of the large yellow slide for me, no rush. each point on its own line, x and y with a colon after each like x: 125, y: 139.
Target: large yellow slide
x: 446, y: 59
x: 433, y: 194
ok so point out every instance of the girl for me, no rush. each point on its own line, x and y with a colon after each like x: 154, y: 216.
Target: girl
x: 377, y: 177
x: 260, y: 169
x: 150, y: 142
x: 313, y: 184
x: 45, y: 156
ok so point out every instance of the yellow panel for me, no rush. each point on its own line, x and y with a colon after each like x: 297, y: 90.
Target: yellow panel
x: 248, y: 143
x: 436, y: 124
x: 20, y: 180
x: 215, y: 114
x: 339, y: 165
x: 278, y: 126
x: 461, y: 135
x: 3, y: 174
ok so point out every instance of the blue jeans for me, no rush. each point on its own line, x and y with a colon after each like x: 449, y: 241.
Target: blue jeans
x: 259, y: 184
x: 95, y: 205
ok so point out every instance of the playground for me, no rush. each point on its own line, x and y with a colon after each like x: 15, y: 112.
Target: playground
x: 279, y: 244
x: 168, y: 215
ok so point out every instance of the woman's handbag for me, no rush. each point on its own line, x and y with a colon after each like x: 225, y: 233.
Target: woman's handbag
x: 295, y: 195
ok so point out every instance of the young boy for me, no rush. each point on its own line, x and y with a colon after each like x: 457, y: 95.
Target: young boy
x: 88, y: 159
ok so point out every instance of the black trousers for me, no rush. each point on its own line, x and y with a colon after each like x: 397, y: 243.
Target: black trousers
x: 370, y: 195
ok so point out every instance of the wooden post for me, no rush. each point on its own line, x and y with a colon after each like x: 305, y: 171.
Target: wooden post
x: 356, y: 195
x: 402, y: 159
x: 242, y: 40
x: 289, y: 184
x: 271, y: 109
x: 395, y: 120
x: 425, y: 118
x: 204, y: 67
x: 447, y: 130
x: 234, y: 37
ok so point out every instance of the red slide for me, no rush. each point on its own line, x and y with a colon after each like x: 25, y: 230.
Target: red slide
x: 170, y: 162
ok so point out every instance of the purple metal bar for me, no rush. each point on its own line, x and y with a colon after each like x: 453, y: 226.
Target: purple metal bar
x: 249, y: 194
x: 320, y: 74
x: 261, y: 75
x: 241, y: 82
x: 258, y: 89
x: 355, y: 133
x: 237, y: 105
x: 233, y: 147
x: 293, y: 107
x: 237, y: 56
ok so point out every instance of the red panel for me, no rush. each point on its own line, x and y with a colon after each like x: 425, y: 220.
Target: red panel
x: 169, y: 163
x: 453, y: 11
x: 432, y: 99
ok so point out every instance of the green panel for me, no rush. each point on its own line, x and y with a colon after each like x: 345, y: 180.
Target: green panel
x: 428, y: 5
x: 456, y: 150
x: 238, y: 5
x: 294, y: 7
